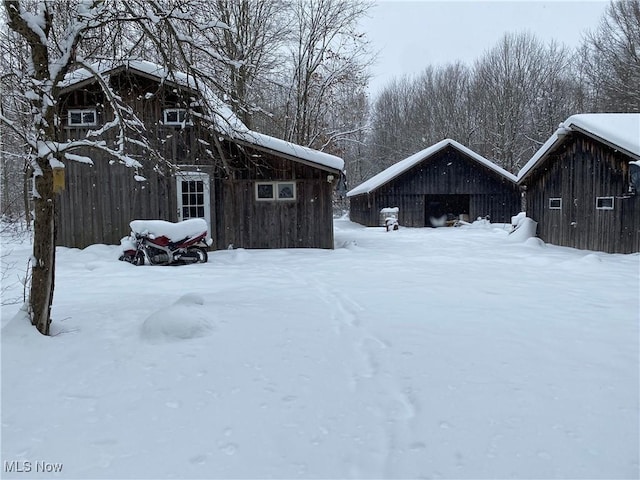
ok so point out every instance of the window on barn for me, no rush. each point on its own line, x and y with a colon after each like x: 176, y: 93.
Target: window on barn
x: 276, y: 191
x: 286, y: 191
x: 604, y: 203
x: 85, y: 117
x: 555, y: 204
x: 175, y: 116
x: 265, y: 191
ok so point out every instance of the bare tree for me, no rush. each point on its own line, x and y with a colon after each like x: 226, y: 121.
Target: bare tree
x: 411, y: 114
x: 612, y: 58
x: 442, y: 104
x: 519, y: 91
x: 58, y: 35
x: 249, y: 50
x: 15, y: 198
x: 327, y: 52
x: 393, y: 131
x: 504, y: 108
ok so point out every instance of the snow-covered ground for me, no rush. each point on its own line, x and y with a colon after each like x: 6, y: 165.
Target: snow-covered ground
x: 417, y: 353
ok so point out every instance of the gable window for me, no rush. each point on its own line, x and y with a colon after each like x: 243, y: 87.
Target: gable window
x: 174, y: 116
x: 276, y: 191
x: 604, y: 203
x: 555, y: 204
x: 83, y: 117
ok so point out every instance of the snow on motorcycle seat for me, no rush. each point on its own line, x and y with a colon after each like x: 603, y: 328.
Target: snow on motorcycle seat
x: 175, y: 232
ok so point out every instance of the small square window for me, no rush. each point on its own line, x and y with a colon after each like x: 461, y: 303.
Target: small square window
x: 276, y: 191
x: 174, y: 116
x: 82, y: 118
x: 286, y: 191
x: 265, y: 191
x: 555, y: 204
x: 604, y: 203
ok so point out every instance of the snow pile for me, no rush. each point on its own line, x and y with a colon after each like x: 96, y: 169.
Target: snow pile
x: 523, y: 228
x: 128, y: 243
x: 173, y: 231
x: 187, y: 318
x: 480, y: 222
x: 390, y: 210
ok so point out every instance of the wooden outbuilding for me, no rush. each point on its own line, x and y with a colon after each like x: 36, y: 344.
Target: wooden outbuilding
x: 255, y: 191
x: 446, y: 181
x: 582, y: 186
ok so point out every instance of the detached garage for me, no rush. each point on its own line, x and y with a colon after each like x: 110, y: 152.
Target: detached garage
x: 444, y: 182
x: 583, y: 184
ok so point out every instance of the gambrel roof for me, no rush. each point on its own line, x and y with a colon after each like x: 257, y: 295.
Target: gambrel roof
x: 620, y: 131
x: 222, y: 117
x: 402, y: 166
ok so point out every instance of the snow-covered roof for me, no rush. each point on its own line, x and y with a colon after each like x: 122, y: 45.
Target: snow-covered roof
x: 225, y: 121
x: 403, y: 165
x: 618, y: 130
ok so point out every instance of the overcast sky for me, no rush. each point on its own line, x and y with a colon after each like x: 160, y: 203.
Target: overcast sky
x: 410, y: 35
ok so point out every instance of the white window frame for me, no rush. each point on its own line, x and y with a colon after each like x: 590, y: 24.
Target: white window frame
x: 82, y: 112
x: 273, y: 192
x: 600, y: 207
x: 198, y: 177
x: 559, y: 207
x: 176, y: 122
x: 286, y: 199
x: 276, y: 192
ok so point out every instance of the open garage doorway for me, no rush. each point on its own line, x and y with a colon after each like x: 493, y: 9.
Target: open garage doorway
x: 443, y: 210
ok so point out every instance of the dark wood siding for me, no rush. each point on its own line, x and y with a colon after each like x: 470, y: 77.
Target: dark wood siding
x: 100, y: 200
x: 579, y: 171
x: 447, y: 172
x: 246, y: 222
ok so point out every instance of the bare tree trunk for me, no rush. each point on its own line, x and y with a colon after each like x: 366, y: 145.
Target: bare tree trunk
x: 26, y: 195
x: 44, y: 252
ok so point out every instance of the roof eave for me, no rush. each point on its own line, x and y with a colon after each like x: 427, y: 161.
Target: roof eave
x: 604, y: 141
x: 111, y: 71
x: 397, y: 174
x: 560, y: 138
x: 278, y: 153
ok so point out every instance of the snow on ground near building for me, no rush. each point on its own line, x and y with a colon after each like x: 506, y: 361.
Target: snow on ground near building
x: 417, y: 353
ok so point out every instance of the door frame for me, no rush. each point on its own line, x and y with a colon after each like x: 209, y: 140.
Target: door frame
x: 206, y: 181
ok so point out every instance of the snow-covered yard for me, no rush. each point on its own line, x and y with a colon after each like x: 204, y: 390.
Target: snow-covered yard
x: 419, y: 353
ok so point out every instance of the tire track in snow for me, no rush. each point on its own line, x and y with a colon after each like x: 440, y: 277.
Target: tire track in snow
x: 375, y: 382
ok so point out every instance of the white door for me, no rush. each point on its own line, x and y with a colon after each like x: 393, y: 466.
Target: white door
x: 194, y: 199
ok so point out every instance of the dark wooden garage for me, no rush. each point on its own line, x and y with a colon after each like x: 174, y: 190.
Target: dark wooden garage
x: 582, y: 186
x: 253, y: 190
x: 444, y: 181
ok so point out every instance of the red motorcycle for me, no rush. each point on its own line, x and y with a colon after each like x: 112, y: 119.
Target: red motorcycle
x: 157, y: 242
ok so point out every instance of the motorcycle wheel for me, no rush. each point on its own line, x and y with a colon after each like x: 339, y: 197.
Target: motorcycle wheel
x: 200, y: 254
x: 138, y: 260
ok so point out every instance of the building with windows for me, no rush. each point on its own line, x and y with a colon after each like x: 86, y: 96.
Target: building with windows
x: 255, y: 191
x: 583, y: 184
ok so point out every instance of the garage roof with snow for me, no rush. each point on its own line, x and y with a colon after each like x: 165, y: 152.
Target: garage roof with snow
x: 620, y: 131
x: 402, y: 166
